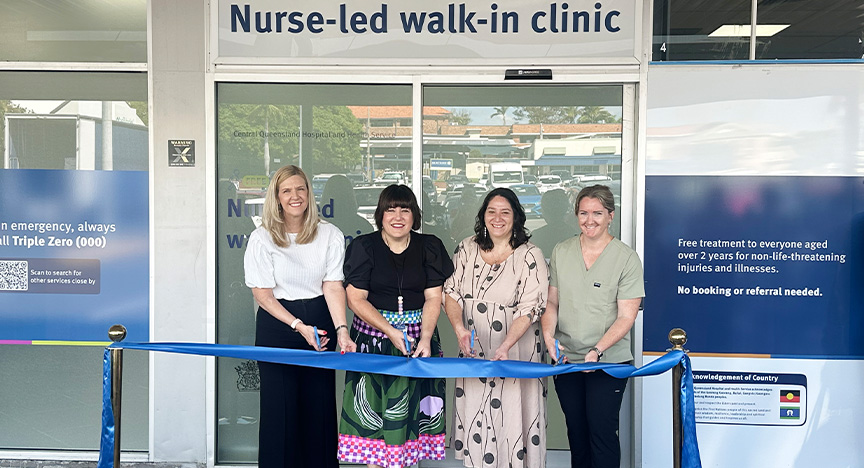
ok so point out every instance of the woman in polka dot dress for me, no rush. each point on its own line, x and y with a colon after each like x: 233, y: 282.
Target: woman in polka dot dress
x: 495, y: 298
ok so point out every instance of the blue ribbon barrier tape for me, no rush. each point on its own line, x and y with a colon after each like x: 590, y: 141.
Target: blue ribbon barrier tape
x: 106, y: 442
x: 430, y: 367
x: 689, y: 447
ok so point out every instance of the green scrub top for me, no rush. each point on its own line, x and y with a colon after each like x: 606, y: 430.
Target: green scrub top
x: 587, y: 299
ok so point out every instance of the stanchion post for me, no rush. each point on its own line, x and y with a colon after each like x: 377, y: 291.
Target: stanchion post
x: 677, y: 337
x: 117, y: 333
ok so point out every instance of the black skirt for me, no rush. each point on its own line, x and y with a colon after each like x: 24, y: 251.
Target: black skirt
x: 297, y: 425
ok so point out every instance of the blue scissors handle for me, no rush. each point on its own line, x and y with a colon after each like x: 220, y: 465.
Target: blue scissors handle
x: 557, y: 353
x: 407, y: 341
x: 317, y: 339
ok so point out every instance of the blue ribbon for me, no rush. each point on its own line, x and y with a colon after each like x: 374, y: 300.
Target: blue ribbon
x: 431, y: 367
x: 689, y: 446
x: 106, y: 445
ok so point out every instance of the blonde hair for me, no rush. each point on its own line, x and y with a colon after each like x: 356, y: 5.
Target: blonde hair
x: 272, y: 219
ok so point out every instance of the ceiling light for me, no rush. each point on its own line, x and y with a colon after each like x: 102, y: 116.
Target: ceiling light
x: 743, y: 30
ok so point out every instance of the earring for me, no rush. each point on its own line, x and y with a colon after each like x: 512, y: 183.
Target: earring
x: 485, y: 233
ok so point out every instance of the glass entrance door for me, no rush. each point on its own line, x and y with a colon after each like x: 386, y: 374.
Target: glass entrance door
x: 352, y: 141
x: 545, y: 142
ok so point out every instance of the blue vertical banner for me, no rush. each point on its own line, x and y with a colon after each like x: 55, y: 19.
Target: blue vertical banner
x: 754, y: 244
x: 756, y: 265
x: 74, y: 255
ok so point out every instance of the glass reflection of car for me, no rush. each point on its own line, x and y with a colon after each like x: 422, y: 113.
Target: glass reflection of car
x: 358, y: 179
x: 391, y: 177
x: 548, y: 182
x: 586, y: 180
x: 505, y: 179
x: 430, y: 189
x: 456, y: 180
x: 530, y: 179
x: 564, y: 175
x: 594, y: 178
x: 434, y: 213
x: 453, y: 198
x: 614, y: 186
x: 529, y: 198
x: 318, y: 183
x: 367, y: 200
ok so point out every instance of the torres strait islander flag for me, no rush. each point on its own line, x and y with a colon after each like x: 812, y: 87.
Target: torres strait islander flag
x: 790, y: 412
x: 790, y: 396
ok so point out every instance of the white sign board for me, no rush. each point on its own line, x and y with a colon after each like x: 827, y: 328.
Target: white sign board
x: 433, y: 31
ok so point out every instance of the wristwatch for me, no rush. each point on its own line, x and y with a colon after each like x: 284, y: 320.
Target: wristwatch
x: 599, y: 353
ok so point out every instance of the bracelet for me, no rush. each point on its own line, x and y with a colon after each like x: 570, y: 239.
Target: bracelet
x: 341, y: 326
x: 294, y: 324
x: 599, y: 353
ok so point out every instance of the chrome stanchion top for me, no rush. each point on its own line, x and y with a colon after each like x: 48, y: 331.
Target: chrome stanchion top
x: 678, y: 338
x: 117, y: 333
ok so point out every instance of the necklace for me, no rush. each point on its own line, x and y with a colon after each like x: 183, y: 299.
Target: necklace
x: 407, y: 243
x: 399, y: 270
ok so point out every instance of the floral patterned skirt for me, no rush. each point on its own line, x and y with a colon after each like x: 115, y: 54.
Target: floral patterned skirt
x: 386, y: 420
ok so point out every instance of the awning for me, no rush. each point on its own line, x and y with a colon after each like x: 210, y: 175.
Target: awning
x: 593, y: 160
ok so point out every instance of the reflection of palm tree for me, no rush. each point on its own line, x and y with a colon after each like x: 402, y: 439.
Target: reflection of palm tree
x: 586, y: 115
x: 268, y: 111
x: 570, y: 115
x: 460, y: 117
x: 595, y: 114
x: 502, y: 111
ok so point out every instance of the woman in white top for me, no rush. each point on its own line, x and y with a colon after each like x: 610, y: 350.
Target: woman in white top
x: 293, y: 263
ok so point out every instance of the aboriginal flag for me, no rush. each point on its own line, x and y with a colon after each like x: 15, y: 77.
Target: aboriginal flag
x: 790, y: 396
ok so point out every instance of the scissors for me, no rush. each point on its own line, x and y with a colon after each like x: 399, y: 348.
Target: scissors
x: 557, y: 354
x: 407, y: 343
x: 472, y: 342
x: 317, y: 339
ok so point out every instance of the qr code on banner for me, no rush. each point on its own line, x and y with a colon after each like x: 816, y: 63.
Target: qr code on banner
x: 13, y: 275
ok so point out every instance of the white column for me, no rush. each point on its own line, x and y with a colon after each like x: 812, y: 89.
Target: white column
x: 178, y: 110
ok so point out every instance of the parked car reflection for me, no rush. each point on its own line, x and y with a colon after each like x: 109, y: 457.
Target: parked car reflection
x: 529, y: 198
x: 549, y: 182
x: 367, y: 200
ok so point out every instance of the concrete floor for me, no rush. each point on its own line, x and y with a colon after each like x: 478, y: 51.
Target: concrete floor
x: 554, y: 459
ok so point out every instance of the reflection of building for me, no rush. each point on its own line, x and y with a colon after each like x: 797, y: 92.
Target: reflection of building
x: 387, y: 129
x: 576, y: 154
x: 395, y: 121
x: 571, y: 147
x: 527, y: 133
x: 79, y: 138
